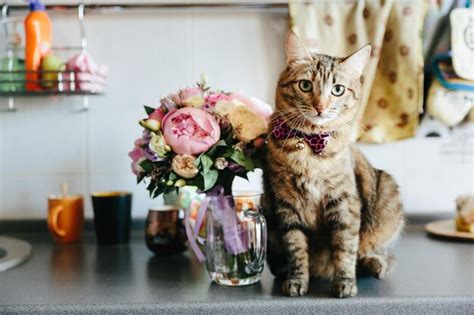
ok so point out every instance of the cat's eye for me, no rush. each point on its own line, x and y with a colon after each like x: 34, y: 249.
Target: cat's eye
x: 306, y: 86
x: 338, y: 90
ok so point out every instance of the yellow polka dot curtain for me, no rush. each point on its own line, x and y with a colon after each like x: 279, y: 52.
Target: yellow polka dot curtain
x: 393, y: 79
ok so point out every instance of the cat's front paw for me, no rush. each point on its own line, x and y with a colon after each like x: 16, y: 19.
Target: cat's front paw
x: 344, y: 288
x: 295, y: 287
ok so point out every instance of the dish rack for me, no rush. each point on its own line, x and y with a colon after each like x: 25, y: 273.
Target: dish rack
x: 62, y: 82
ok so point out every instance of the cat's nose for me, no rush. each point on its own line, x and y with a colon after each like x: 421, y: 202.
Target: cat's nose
x: 319, y: 109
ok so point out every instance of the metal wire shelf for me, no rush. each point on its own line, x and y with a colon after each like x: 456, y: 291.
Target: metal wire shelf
x: 47, y: 93
x: 64, y: 82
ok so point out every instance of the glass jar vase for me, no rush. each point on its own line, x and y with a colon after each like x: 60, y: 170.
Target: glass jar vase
x: 236, y: 238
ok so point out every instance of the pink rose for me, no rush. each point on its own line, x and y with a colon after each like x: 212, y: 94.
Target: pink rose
x: 140, y: 142
x: 254, y: 104
x: 137, y: 157
x: 176, y: 99
x: 190, y: 130
x: 213, y: 98
x: 157, y: 115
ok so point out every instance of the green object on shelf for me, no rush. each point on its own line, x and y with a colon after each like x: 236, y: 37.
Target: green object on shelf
x: 11, y: 82
x: 53, y: 64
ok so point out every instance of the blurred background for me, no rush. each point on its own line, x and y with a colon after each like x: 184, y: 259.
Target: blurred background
x: 154, y: 47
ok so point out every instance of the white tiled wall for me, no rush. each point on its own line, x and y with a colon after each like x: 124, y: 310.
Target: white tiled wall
x: 50, y: 140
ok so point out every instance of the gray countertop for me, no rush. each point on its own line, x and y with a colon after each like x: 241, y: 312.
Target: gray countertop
x: 432, y: 276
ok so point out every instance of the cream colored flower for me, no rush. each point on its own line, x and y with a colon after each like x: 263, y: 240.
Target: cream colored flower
x: 184, y: 166
x: 150, y: 124
x: 224, y: 107
x: 158, y: 144
x: 221, y: 163
x: 194, y: 101
x: 192, y: 97
x: 180, y: 183
x: 239, y: 146
x: 247, y: 124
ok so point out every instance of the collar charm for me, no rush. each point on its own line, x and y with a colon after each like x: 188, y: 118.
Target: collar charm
x: 300, y: 144
x: 316, y: 141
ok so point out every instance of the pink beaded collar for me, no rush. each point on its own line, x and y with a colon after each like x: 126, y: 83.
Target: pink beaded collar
x: 317, y: 141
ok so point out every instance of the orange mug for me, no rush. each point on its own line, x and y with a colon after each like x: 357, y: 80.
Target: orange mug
x: 66, y: 218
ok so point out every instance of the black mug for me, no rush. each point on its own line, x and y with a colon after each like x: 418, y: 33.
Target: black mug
x: 112, y: 217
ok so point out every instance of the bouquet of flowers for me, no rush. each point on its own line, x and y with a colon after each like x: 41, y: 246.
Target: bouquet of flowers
x: 200, y: 137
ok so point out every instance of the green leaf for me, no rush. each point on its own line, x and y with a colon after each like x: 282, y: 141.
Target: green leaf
x: 173, y: 176
x: 159, y: 190
x: 212, y: 151
x: 240, y: 158
x: 228, y: 153
x: 147, y: 165
x: 207, y: 163
x: 229, y: 138
x: 197, y: 181
x: 220, y: 143
x: 140, y: 177
x: 151, y: 187
x: 198, y: 160
x: 210, y: 179
x: 149, y: 110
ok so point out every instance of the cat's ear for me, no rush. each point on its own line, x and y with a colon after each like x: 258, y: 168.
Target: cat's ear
x: 358, y: 59
x: 295, y: 49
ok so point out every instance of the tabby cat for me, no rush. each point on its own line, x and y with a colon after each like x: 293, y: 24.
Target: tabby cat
x: 329, y: 212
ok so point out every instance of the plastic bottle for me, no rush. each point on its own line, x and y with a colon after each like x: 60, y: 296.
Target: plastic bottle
x: 38, y: 42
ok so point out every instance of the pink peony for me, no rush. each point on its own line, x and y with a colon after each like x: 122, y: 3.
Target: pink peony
x: 254, y: 104
x: 190, y: 130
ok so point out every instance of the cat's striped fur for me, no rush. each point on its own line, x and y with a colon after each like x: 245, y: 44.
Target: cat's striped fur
x: 330, y: 214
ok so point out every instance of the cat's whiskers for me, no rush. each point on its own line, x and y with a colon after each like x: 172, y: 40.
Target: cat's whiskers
x: 285, y: 118
x: 282, y: 114
x: 293, y: 113
x: 294, y: 158
x: 297, y: 124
